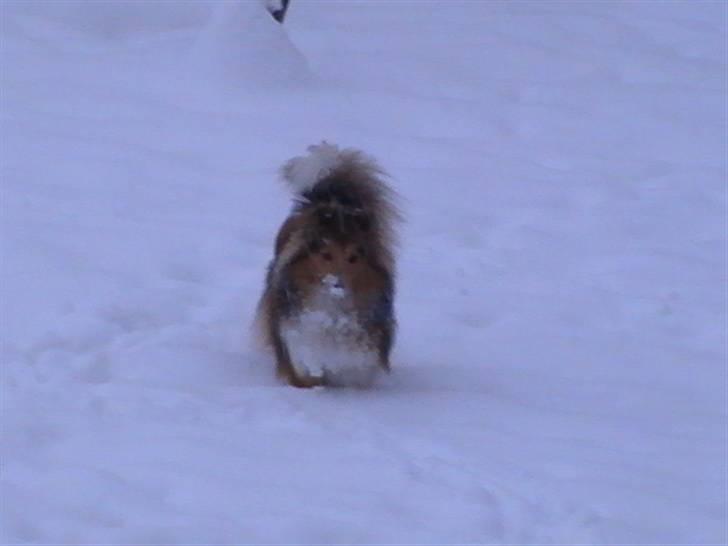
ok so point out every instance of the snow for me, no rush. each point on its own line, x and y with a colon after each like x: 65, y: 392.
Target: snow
x: 327, y: 344
x: 559, y: 375
x: 303, y: 172
x: 327, y: 339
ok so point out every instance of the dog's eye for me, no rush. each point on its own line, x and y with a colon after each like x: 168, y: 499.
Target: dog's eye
x: 327, y: 256
x: 314, y: 247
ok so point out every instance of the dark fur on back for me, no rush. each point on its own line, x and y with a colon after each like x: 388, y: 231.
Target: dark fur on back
x: 342, y: 223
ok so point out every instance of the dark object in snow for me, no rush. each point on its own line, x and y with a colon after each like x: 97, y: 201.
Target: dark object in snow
x: 279, y: 14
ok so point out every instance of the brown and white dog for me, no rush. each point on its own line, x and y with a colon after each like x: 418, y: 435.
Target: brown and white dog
x: 327, y: 309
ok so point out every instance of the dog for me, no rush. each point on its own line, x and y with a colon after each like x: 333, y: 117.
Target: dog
x: 327, y: 309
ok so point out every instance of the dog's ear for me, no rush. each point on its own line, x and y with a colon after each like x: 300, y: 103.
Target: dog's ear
x: 292, y: 225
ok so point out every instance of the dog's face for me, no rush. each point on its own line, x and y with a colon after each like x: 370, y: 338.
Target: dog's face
x: 327, y: 263
x: 329, y: 257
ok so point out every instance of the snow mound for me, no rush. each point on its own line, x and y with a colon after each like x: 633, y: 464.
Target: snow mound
x: 243, y: 47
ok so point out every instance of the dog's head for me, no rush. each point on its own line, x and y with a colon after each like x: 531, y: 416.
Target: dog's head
x: 341, y: 259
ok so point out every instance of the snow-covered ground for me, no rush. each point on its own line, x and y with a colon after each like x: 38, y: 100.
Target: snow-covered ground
x: 560, y: 373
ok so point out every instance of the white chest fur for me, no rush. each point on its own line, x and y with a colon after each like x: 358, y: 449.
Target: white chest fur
x: 326, y: 340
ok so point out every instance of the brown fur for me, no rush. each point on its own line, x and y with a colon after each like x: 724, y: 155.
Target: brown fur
x: 340, y: 226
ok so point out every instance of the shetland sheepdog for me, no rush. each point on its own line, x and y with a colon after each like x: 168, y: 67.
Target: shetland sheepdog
x: 327, y: 310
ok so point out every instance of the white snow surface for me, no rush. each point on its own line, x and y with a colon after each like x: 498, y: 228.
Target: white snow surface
x: 560, y: 371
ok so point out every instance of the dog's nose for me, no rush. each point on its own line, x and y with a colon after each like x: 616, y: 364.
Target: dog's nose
x: 334, y: 285
x: 332, y: 281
